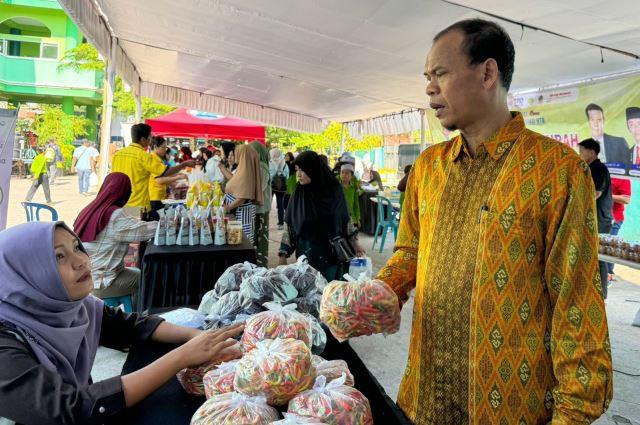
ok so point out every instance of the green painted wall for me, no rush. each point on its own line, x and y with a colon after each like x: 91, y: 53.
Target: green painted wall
x: 38, y: 79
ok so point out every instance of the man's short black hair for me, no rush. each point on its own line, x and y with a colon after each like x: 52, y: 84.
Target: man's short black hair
x: 486, y: 40
x: 407, y: 169
x: 593, y: 107
x: 140, y: 131
x: 591, y: 144
x: 157, y: 141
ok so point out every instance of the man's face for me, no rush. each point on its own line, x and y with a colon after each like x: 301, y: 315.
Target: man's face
x: 455, y: 87
x: 634, y: 128
x: 596, y: 124
x: 587, y: 155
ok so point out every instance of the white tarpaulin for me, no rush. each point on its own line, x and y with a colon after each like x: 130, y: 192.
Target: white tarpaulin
x: 300, y: 63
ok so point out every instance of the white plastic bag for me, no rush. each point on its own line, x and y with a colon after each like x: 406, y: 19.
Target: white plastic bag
x: 235, y: 408
x: 160, y: 237
x: 277, y: 322
x: 93, y: 181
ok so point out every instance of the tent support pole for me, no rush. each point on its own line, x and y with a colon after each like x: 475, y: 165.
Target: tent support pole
x: 107, y: 109
x: 138, y: 117
x: 342, y: 139
x: 423, y: 142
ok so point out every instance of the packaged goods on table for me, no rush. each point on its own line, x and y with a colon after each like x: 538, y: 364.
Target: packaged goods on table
x: 362, y: 307
x: 220, y: 380
x: 277, y: 369
x: 191, y: 378
x: 268, y: 285
x: 224, y: 310
x: 277, y: 322
x: 231, y: 279
x: 293, y: 419
x: 309, y: 303
x: 333, y: 403
x: 185, y: 317
x: 235, y: 409
x: 303, y: 277
x: 202, y: 192
x: 234, y: 233
x: 332, y: 369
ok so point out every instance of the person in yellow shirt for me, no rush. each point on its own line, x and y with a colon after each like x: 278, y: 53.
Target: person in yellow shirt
x: 40, y: 176
x: 498, y: 237
x: 158, y: 184
x: 139, y: 165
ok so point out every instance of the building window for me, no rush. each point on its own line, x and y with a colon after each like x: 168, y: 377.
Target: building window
x: 49, y: 51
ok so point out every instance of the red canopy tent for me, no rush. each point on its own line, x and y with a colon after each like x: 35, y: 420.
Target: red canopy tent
x: 191, y: 123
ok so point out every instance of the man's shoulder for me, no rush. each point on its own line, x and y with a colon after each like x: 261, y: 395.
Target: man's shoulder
x: 615, y: 139
x: 560, y: 152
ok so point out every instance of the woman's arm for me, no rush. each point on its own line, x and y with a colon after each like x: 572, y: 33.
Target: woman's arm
x: 235, y: 204
x: 287, y: 245
x: 169, y: 333
x: 225, y: 171
x: 216, y: 346
x: 171, y: 179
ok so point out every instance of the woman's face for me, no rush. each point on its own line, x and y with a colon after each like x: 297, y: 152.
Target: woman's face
x: 288, y: 158
x: 302, y: 177
x: 345, y: 176
x: 74, y: 264
x: 231, y: 158
x: 161, y: 150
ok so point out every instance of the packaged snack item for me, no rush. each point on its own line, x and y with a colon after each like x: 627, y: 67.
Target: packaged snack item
x: 268, y: 285
x: 183, y: 233
x: 171, y: 227
x: 362, y: 307
x: 235, y: 409
x: 332, y: 369
x: 231, y: 279
x: 205, y: 230
x: 234, y: 229
x: 160, y: 237
x: 277, y: 369
x: 293, y: 419
x: 220, y: 237
x: 185, y: 317
x: 277, y: 322
x: 304, y: 278
x: 191, y: 378
x: 194, y: 228
x: 220, y: 380
x: 334, y: 403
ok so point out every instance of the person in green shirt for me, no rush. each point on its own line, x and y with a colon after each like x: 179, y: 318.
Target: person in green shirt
x: 40, y: 176
x: 351, y: 189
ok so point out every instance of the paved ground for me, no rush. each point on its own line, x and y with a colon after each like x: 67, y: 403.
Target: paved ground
x: 386, y: 356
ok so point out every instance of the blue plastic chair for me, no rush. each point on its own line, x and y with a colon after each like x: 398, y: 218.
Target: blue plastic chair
x: 33, y: 211
x: 387, y: 219
x: 115, y: 302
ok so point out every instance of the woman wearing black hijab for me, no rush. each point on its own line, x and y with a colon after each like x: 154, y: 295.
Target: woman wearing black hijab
x: 317, y: 212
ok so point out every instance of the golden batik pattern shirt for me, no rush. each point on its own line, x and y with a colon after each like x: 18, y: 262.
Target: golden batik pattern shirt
x: 509, y: 325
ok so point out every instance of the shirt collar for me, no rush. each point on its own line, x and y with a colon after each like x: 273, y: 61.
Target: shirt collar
x: 498, y: 144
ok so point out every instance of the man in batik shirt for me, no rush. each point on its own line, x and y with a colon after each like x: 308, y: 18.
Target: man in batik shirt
x: 499, y: 239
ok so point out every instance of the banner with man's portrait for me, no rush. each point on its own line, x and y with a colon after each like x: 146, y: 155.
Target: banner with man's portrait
x: 608, y: 112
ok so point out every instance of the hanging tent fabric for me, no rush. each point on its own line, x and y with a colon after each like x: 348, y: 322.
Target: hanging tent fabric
x: 192, y: 123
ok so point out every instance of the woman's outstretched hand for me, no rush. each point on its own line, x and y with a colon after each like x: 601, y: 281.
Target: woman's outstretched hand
x: 212, y: 346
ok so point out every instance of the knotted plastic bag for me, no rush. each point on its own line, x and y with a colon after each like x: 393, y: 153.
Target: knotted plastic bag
x: 333, y: 403
x: 277, y: 369
x: 277, y: 322
x: 235, y: 409
x: 359, y: 307
x: 220, y: 380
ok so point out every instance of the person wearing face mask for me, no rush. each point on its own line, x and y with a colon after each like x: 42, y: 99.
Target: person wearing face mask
x: 316, y: 214
x: 51, y: 327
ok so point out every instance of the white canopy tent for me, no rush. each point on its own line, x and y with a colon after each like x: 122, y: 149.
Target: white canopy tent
x: 300, y: 63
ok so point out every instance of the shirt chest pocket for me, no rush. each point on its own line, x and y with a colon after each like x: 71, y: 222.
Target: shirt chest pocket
x: 523, y: 221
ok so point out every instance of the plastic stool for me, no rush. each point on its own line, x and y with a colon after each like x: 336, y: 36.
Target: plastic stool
x: 125, y: 301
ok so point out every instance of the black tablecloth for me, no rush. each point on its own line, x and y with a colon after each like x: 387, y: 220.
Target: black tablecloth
x: 368, y: 213
x: 171, y: 405
x: 180, y: 275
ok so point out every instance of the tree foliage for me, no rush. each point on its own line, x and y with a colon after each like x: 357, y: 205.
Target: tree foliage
x: 84, y: 57
x: 326, y: 142
x: 53, y: 123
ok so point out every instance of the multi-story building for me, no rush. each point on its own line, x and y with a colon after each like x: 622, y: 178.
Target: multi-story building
x: 34, y: 36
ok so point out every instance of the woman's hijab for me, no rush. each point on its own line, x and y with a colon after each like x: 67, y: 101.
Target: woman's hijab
x: 64, y: 334
x: 317, y: 210
x: 277, y: 159
x: 246, y: 182
x: 114, y: 194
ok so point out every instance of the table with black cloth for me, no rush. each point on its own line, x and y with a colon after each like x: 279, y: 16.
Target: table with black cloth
x: 171, y: 405
x: 180, y: 275
x: 368, y: 213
